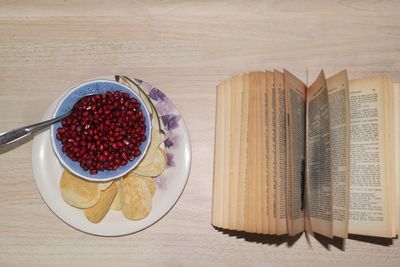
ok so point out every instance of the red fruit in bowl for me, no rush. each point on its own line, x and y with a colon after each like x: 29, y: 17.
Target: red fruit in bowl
x: 98, y: 133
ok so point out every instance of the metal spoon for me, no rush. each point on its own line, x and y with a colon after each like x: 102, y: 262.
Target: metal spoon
x: 10, y: 137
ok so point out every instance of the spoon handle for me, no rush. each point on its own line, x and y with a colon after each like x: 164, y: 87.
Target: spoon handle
x: 10, y: 137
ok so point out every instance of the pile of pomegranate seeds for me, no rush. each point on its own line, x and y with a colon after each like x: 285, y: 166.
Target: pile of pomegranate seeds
x: 103, y: 132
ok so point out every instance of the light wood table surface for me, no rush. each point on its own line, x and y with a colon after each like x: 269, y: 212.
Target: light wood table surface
x: 185, y: 48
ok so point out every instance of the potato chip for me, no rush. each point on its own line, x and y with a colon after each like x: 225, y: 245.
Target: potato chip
x: 97, y: 212
x: 119, y: 198
x: 150, y: 183
x: 156, y: 167
x: 154, y: 144
x: 104, y: 185
x: 137, y: 198
x: 78, y: 192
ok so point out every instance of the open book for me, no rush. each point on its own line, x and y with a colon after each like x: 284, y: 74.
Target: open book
x: 322, y: 158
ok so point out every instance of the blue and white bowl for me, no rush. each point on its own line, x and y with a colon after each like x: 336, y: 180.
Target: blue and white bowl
x: 67, y: 102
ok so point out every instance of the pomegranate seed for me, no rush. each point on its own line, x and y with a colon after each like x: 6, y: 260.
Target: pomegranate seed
x: 137, y: 153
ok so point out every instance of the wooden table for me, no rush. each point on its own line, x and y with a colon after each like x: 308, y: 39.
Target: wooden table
x: 185, y: 48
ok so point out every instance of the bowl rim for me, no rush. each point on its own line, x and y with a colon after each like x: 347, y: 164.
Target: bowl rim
x: 65, y: 94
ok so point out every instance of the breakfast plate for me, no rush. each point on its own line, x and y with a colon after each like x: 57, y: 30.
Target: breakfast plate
x: 47, y: 169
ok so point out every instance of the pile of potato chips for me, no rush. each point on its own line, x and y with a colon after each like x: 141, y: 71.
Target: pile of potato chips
x: 132, y: 194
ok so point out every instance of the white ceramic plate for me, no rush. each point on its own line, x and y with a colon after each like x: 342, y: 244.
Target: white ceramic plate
x: 47, y: 171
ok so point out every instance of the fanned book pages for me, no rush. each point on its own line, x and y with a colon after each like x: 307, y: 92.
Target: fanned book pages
x: 322, y: 158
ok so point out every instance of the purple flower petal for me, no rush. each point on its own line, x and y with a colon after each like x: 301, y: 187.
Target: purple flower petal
x: 173, y: 122
x: 168, y: 143
x: 170, y: 160
x: 165, y: 119
x: 170, y: 121
x: 171, y: 138
x: 160, y: 94
x: 156, y: 94
x: 153, y: 94
x: 138, y: 81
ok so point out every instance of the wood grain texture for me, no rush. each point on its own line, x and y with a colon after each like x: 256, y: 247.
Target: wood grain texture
x: 186, y: 48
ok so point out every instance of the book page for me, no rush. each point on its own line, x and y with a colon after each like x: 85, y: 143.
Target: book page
x: 396, y: 130
x: 250, y: 225
x: 241, y: 196
x: 226, y: 162
x: 271, y: 136
x: 288, y: 158
x: 280, y: 154
x: 236, y: 101
x: 253, y: 208
x: 262, y: 211
x: 369, y: 199
x: 319, y: 182
x: 218, y: 158
x: 389, y: 142
x: 339, y: 114
x: 295, y: 91
x: 262, y: 143
x: 307, y: 220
